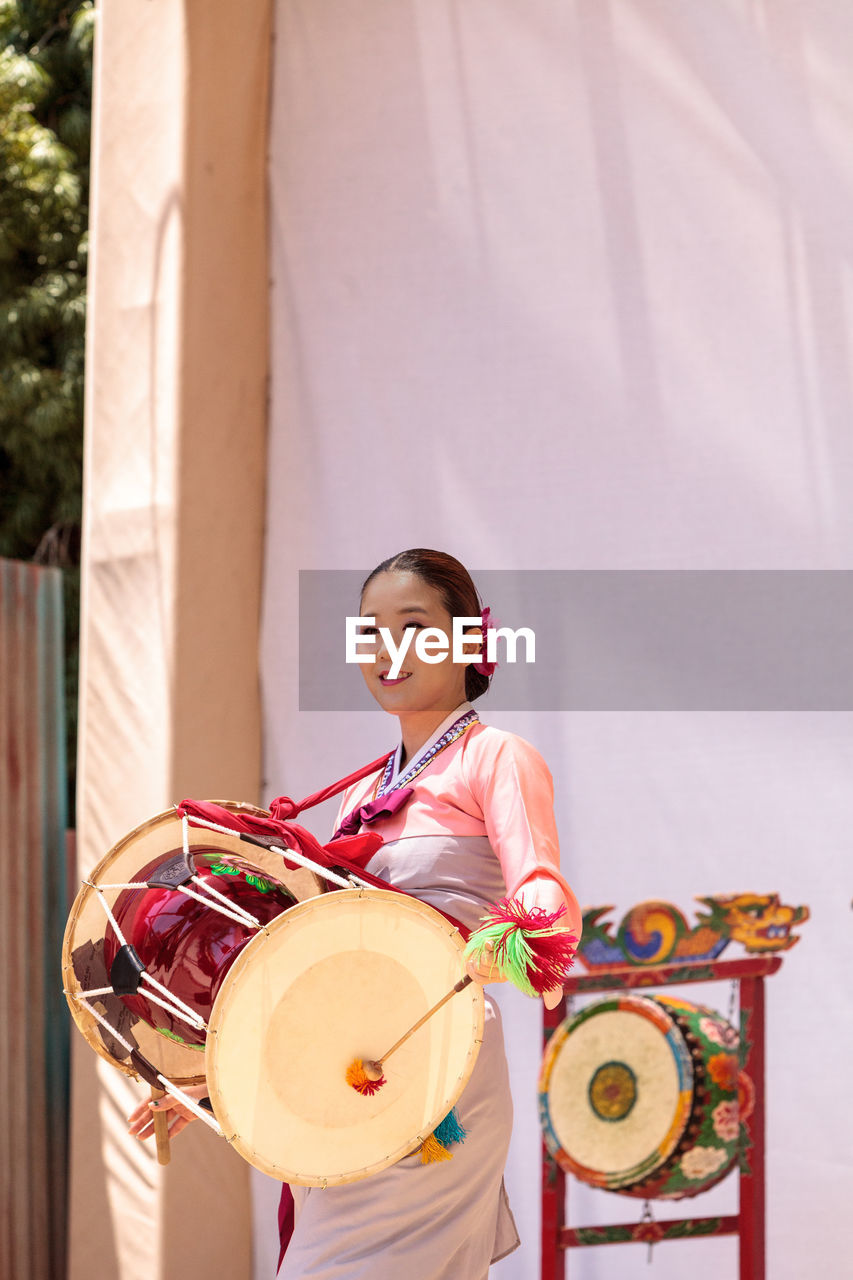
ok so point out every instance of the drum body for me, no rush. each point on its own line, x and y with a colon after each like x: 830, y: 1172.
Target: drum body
x: 324, y: 979
x: 640, y: 1095
x: 187, y: 945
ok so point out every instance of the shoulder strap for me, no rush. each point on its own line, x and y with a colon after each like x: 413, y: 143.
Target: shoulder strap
x: 283, y: 807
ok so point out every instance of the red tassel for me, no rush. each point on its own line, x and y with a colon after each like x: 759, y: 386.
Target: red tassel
x: 511, y: 911
x: 528, y: 944
x: 554, y: 956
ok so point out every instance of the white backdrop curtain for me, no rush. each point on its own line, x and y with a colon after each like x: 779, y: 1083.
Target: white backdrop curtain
x: 567, y: 284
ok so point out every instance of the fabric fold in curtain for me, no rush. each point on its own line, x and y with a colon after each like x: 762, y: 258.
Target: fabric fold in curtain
x: 33, y: 907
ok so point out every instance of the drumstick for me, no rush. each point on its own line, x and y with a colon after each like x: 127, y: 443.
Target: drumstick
x: 365, y: 1075
x: 460, y: 986
x: 161, y: 1128
x: 373, y: 1069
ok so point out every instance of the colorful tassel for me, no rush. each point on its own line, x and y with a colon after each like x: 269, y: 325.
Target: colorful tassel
x: 447, y: 1134
x: 450, y: 1131
x: 527, y: 944
x: 432, y: 1151
x: 358, y: 1078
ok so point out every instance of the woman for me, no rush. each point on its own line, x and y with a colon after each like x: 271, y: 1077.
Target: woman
x: 478, y: 825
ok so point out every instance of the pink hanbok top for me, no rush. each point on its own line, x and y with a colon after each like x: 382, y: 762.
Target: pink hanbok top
x: 490, y: 784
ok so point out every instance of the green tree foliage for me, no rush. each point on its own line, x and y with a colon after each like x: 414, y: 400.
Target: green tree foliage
x: 45, y: 116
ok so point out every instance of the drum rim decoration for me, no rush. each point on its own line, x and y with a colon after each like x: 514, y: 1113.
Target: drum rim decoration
x: 290, y: 920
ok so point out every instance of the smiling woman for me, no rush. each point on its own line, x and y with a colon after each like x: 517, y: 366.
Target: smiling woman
x: 473, y: 823
x: 466, y: 816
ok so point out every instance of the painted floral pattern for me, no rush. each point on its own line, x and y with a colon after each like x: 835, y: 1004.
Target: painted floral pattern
x: 723, y: 1070
x: 718, y: 1032
x: 648, y: 1232
x: 717, y: 1142
x: 702, y: 1161
x: 726, y: 1121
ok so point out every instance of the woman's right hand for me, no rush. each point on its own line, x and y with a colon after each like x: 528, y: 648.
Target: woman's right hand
x: 141, y: 1120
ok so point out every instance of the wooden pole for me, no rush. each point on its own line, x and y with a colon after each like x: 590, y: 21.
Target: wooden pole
x: 161, y: 1129
x: 752, y: 1201
x: 554, y: 1214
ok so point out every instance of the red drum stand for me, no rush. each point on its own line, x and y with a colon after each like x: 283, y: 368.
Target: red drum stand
x: 601, y: 954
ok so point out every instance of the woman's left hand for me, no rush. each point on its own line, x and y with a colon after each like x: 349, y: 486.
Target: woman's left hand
x: 141, y: 1120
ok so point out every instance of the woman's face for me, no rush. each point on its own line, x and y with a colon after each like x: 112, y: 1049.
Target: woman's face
x: 401, y: 601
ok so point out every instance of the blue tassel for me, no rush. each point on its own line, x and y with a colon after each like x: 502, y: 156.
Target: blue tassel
x: 450, y: 1131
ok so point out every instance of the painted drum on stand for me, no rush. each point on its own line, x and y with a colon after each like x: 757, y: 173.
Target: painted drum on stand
x: 639, y: 1095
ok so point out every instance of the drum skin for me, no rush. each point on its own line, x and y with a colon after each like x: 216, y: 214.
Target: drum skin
x: 341, y: 976
x: 639, y: 1095
x: 185, y: 945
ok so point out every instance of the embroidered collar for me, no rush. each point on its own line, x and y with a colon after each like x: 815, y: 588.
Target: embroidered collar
x: 451, y: 728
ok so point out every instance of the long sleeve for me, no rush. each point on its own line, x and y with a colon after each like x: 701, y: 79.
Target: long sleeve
x: 515, y: 790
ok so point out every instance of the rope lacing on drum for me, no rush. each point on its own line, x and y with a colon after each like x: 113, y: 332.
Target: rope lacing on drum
x: 291, y: 855
x: 167, y: 1084
x: 224, y: 905
x: 172, y: 1004
x: 191, y: 1104
x: 80, y: 997
x: 175, y: 1005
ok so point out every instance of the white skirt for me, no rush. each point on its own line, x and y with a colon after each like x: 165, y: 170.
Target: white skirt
x: 442, y: 1221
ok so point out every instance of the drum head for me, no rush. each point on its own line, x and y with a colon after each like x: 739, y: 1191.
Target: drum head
x: 341, y: 977
x: 83, y: 964
x: 615, y: 1091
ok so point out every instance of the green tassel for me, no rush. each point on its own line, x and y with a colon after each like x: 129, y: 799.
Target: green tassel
x: 510, y: 952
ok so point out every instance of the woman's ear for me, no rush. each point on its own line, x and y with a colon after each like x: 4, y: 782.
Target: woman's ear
x: 474, y: 634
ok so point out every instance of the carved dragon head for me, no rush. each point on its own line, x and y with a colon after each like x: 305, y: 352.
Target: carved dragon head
x: 758, y: 920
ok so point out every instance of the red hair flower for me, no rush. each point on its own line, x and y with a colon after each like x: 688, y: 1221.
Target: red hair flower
x: 486, y: 668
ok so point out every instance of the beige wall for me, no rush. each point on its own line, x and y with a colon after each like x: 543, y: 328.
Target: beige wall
x: 174, y: 507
